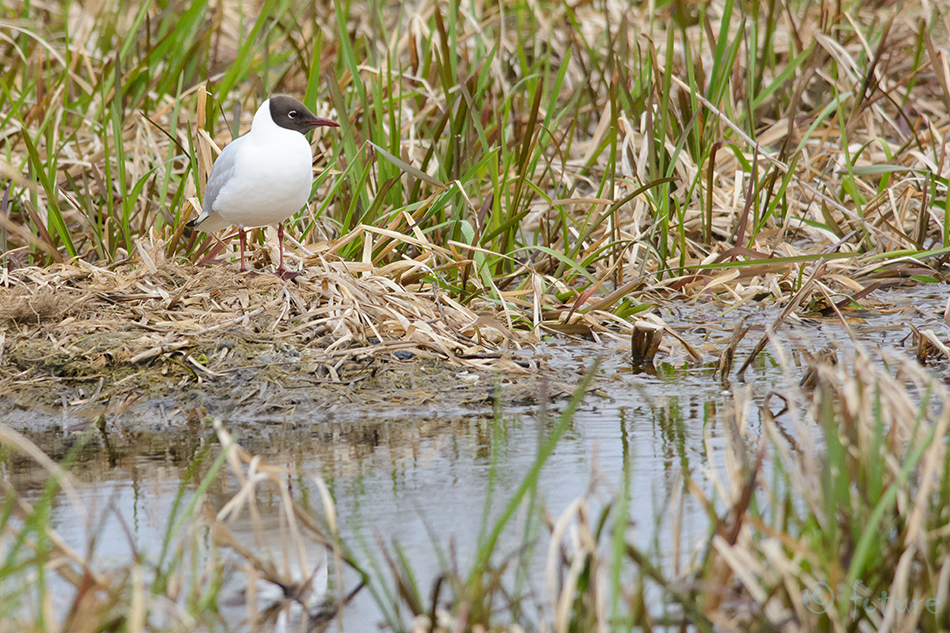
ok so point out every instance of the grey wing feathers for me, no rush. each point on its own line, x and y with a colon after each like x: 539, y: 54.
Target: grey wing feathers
x: 221, y: 173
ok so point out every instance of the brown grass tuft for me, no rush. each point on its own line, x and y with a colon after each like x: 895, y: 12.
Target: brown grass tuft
x: 24, y: 306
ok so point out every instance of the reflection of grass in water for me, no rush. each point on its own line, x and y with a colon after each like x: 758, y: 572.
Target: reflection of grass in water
x: 861, y: 512
x: 843, y: 494
x: 180, y: 584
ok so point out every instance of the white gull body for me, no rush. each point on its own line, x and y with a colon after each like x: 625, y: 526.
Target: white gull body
x: 265, y: 176
x: 261, y: 178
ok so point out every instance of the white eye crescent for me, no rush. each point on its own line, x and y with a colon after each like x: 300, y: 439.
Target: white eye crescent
x: 292, y: 114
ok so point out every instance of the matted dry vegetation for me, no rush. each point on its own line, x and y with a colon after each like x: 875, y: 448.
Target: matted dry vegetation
x: 89, y: 333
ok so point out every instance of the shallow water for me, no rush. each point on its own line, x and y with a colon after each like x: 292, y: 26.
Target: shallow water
x: 421, y: 480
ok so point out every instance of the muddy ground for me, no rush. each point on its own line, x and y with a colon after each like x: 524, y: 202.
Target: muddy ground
x: 155, y: 349
x: 164, y: 410
x: 270, y: 387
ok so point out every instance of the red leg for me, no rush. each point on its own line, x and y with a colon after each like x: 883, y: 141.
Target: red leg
x: 242, y: 236
x: 281, y: 272
x: 280, y: 245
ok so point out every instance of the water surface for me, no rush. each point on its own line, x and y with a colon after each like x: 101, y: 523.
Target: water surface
x: 419, y: 478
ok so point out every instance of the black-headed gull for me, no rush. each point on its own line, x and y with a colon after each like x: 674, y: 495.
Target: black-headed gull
x: 263, y: 177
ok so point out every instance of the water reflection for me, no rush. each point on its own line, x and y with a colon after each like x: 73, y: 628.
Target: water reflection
x: 420, y: 483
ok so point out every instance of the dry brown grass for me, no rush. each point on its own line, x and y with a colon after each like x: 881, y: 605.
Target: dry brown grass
x: 796, y: 174
x: 36, y: 305
x: 88, y: 322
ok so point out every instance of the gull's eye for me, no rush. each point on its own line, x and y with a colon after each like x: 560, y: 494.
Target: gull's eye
x: 292, y: 114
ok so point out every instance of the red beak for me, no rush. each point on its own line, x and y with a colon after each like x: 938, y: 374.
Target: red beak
x: 318, y: 122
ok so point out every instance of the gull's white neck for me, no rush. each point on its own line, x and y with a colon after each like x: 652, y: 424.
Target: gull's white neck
x: 263, y: 123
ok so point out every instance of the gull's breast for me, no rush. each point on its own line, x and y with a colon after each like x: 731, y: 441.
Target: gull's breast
x: 270, y: 183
